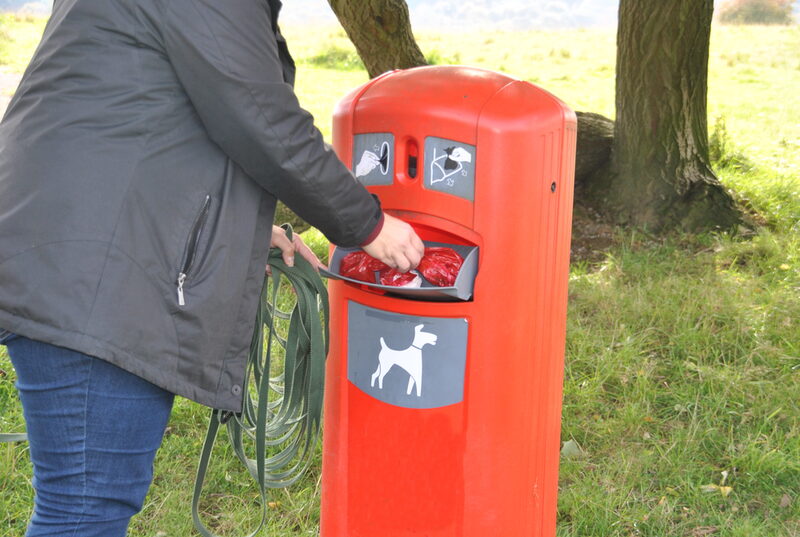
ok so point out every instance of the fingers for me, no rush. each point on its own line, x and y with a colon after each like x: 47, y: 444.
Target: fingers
x: 369, y: 157
x: 291, y: 248
x: 400, y: 263
x: 397, y: 245
x: 418, y: 246
x: 416, y: 253
x: 306, y: 253
x: 369, y: 161
x: 280, y: 240
x: 407, y: 259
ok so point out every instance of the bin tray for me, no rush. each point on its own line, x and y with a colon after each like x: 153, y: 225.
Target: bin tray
x: 462, y: 290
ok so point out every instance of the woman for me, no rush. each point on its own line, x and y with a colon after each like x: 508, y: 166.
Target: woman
x: 140, y: 163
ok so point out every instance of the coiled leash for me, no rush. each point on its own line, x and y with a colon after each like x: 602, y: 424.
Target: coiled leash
x: 282, y: 413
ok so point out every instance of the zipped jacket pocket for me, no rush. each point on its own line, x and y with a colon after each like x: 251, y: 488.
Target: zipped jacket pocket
x: 190, y: 250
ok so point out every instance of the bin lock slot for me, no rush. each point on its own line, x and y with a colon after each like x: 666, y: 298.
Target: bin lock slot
x: 462, y: 290
x: 412, y: 150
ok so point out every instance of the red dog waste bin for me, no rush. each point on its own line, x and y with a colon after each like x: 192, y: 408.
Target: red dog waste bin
x: 443, y: 404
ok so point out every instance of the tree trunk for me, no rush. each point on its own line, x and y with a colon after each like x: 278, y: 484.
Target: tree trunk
x: 651, y: 168
x: 660, y: 175
x: 381, y: 33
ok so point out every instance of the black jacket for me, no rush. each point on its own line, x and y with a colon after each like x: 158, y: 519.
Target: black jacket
x: 140, y: 162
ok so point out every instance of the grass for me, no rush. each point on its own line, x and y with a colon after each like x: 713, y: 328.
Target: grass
x: 683, y: 353
x: 19, y: 35
x: 338, y: 58
x: 682, y: 364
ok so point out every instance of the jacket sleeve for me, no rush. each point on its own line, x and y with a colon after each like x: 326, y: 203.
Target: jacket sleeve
x: 226, y: 58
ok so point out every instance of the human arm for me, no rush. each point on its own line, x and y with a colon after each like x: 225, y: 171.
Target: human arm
x: 226, y: 58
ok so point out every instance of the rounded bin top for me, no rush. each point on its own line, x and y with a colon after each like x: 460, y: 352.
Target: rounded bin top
x: 467, y: 147
x: 449, y: 94
x: 439, y: 89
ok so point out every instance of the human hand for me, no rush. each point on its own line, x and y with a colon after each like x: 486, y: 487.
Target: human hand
x: 369, y: 161
x: 397, y: 245
x: 289, y: 248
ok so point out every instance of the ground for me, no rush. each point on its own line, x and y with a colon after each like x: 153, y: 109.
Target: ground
x: 591, y: 235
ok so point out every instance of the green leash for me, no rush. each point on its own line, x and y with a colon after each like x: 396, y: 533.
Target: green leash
x: 282, y: 418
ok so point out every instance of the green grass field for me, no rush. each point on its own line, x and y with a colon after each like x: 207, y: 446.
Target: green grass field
x: 682, y: 381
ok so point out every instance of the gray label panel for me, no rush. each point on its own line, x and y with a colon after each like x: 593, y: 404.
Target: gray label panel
x: 450, y: 167
x: 373, y: 158
x: 405, y: 360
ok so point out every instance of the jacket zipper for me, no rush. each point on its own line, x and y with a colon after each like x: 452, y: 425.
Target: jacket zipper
x: 190, y: 252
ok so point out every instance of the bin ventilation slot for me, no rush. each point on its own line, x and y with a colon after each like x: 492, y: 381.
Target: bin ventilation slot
x: 462, y: 290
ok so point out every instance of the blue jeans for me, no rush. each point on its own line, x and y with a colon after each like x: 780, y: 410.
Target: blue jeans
x: 93, y: 430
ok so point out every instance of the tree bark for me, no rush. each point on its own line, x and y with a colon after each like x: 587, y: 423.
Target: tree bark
x: 660, y: 175
x: 381, y: 33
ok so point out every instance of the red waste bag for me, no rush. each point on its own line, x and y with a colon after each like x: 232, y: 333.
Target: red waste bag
x: 361, y: 266
x: 440, y: 266
x: 395, y: 278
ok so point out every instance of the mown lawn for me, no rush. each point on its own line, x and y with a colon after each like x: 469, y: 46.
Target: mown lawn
x: 682, y: 376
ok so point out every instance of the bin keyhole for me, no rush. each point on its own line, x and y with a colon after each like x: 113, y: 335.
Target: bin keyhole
x: 412, y: 167
x: 412, y: 150
x: 553, y: 187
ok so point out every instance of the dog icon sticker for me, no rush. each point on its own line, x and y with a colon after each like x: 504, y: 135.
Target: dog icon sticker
x: 406, y: 360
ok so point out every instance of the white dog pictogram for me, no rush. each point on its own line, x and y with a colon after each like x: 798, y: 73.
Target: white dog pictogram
x: 409, y: 359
